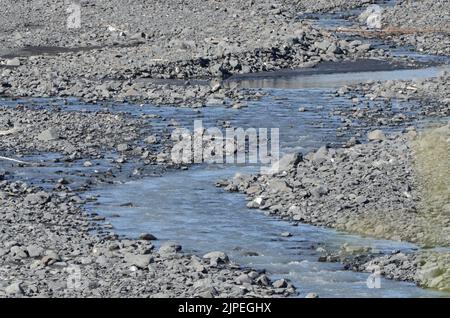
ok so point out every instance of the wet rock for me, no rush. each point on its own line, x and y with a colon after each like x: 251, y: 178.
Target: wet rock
x: 215, y: 85
x: 364, y: 47
x: 250, y: 253
x: 263, y: 280
x: 151, y: 140
x: 351, y: 142
x: 239, y: 106
x: 255, y: 203
x: 216, y: 258
x: 280, y: 283
x: 169, y: 248
x: 87, y: 164
x: 147, y: 237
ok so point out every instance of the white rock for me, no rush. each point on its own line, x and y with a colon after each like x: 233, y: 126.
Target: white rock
x: 376, y: 135
x: 14, y: 289
x: 48, y: 135
x: 140, y: 261
x: 13, y: 62
x: 216, y: 257
x: 151, y: 139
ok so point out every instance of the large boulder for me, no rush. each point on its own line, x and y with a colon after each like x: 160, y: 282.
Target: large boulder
x: 140, y: 261
x: 216, y: 258
x: 48, y: 135
x: 170, y: 248
x: 376, y: 135
x: 286, y: 163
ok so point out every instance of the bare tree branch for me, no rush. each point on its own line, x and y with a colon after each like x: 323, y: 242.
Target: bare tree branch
x: 14, y: 160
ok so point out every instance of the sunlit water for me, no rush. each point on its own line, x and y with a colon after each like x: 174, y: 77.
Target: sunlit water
x: 299, y: 81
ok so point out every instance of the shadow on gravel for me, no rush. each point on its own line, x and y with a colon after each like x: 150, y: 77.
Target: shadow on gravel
x: 55, y: 50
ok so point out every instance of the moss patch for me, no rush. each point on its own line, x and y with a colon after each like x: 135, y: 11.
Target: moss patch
x: 432, y: 165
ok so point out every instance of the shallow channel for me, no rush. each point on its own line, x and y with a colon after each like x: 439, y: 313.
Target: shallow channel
x: 186, y: 207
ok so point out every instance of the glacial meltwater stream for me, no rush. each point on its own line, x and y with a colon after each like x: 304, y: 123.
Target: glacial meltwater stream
x: 187, y: 207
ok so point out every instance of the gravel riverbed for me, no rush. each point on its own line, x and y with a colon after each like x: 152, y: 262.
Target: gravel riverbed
x: 425, y: 25
x: 178, y: 53
x: 107, y: 58
x: 382, y: 103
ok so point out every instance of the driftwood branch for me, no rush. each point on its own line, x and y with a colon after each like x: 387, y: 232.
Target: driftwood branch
x: 8, y: 132
x: 14, y: 160
x: 392, y: 31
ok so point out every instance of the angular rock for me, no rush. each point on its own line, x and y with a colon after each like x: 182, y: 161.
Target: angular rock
x: 48, y: 135
x: 376, y: 135
x: 281, y: 283
x: 123, y: 147
x: 216, y: 257
x: 286, y: 163
x: 13, y: 62
x: 14, y: 289
x: 41, y: 197
x: 140, y: 261
x: 244, y: 279
x: 170, y: 248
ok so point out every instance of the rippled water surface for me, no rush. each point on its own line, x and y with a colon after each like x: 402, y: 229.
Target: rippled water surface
x: 186, y: 207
